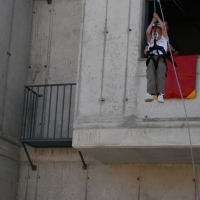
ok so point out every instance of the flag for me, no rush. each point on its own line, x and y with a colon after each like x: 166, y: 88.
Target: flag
x: 186, y: 73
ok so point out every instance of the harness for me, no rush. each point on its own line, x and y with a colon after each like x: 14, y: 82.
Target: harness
x: 164, y: 55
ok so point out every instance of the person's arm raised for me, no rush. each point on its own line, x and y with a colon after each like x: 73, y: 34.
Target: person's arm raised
x: 161, y: 24
x: 148, y: 31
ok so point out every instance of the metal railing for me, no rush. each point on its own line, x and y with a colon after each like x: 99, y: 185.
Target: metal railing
x: 48, y: 114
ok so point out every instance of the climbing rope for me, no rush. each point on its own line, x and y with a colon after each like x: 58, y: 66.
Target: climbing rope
x: 188, y: 126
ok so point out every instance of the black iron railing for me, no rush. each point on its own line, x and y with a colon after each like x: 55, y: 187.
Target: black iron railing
x: 48, y: 115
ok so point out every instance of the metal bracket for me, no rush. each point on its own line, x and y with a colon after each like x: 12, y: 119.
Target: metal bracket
x: 34, y: 167
x: 84, y: 167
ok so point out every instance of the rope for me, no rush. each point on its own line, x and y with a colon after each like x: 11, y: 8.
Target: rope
x: 188, y: 126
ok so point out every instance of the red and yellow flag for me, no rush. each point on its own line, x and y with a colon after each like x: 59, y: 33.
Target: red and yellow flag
x: 186, y: 72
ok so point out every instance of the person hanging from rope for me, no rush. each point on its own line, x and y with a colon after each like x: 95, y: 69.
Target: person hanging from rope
x: 156, y: 61
x: 172, y: 43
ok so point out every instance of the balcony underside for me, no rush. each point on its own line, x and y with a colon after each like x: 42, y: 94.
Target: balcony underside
x: 48, y: 143
x: 143, y: 155
x: 139, y: 145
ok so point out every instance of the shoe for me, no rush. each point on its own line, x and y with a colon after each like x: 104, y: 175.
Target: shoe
x: 160, y: 98
x: 148, y: 98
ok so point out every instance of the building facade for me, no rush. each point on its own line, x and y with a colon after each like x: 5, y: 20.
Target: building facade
x: 132, y: 149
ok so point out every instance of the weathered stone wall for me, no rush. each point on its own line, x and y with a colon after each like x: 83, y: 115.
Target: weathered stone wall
x: 15, y: 32
x: 15, y: 29
x: 55, y: 42
x: 9, y: 170
x: 60, y: 176
x: 109, y: 109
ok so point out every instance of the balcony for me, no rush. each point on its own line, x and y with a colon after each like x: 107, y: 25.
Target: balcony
x: 48, y: 117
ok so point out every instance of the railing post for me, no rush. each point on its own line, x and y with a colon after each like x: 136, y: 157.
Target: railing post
x: 69, y: 114
x: 63, y: 107
x: 55, y: 119
x: 35, y: 114
x: 42, y: 119
x: 49, y: 111
x: 29, y: 114
x: 23, y: 117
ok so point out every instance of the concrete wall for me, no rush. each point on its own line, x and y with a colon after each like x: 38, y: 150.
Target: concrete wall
x: 110, y: 49
x: 5, y: 30
x: 60, y: 176
x: 54, y: 55
x: 110, y: 108
x: 16, y: 18
x: 55, y: 42
x: 15, y: 31
x: 112, y: 77
x: 9, y: 170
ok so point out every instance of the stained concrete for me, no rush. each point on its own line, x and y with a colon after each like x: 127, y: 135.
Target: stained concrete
x: 104, y: 130
x: 59, y: 177
x: 9, y: 169
x: 15, y: 31
x: 6, y: 11
x: 9, y: 177
x: 39, y: 43
x: 16, y: 67
x: 108, y: 55
x: 113, y: 182
x: 55, y: 42
x: 54, y: 58
x: 110, y: 110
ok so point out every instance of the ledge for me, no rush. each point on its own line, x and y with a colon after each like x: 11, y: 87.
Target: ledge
x: 138, y: 145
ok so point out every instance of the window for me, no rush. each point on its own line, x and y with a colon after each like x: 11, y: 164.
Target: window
x: 184, y: 22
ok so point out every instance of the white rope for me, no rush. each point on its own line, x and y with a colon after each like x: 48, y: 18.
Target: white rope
x: 188, y: 126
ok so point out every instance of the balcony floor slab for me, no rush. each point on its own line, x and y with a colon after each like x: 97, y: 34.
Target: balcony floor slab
x: 139, y: 145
